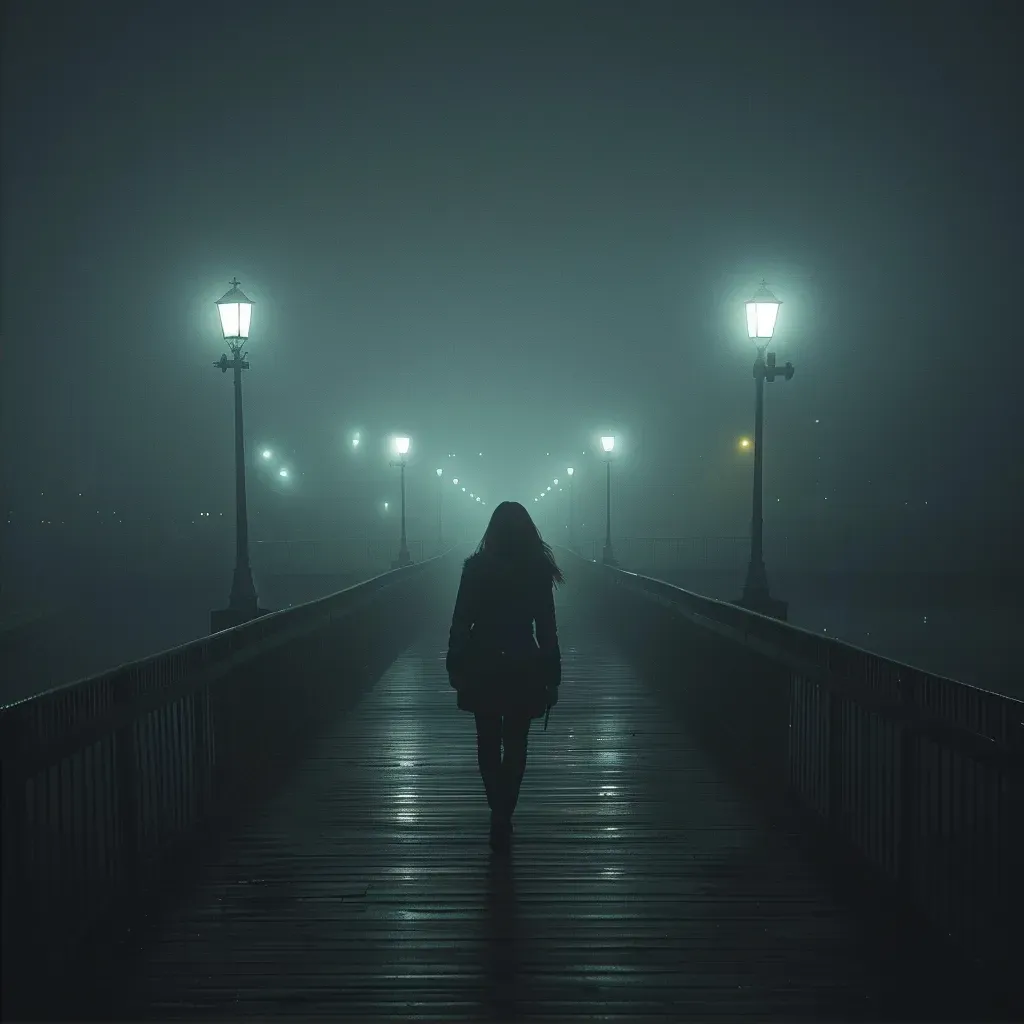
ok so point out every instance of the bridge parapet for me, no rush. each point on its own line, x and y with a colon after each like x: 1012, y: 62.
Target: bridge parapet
x: 108, y: 781
x: 919, y: 777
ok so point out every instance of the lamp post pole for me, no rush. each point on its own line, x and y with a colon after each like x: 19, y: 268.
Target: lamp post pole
x: 402, y: 448
x: 572, y: 544
x: 440, y: 489
x: 236, y: 312
x: 243, y: 590
x: 608, y: 557
x: 762, y: 311
x: 403, y: 547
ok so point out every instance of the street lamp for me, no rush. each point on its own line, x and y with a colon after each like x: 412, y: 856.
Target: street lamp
x: 762, y: 313
x: 401, y: 446
x: 440, y: 535
x: 235, y: 309
x: 572, y: 545
x: 608, y: 556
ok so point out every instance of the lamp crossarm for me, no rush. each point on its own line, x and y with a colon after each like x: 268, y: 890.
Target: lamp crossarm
x: 766, y: 367
x: 238, y: 359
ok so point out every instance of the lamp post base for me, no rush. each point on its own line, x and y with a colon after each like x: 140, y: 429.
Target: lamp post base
x: 403, y: 559
x: 608, y: 556
x: 228, y: 618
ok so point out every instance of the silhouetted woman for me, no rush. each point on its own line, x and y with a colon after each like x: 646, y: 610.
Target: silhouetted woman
x: 502, y: 674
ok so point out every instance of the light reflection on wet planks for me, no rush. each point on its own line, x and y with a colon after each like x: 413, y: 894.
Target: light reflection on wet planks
x: 640, y: 883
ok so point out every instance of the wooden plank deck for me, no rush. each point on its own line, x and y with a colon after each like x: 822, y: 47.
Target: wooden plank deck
x: 640, y: 886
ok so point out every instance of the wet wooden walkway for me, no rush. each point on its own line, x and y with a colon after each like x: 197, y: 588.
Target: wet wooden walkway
x: 640, y: 886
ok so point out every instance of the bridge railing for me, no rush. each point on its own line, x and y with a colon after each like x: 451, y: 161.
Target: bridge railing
x: 106, y: 780
x: 921, y: 776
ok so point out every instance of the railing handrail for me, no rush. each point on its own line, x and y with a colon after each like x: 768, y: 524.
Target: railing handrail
x: 34, y: 734
x: 902, y: 697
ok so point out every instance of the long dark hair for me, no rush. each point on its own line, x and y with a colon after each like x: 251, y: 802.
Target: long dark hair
x: 511, y: 533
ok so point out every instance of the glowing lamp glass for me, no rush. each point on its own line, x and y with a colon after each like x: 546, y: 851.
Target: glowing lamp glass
x: 235, y: 309
x: 762, y: 312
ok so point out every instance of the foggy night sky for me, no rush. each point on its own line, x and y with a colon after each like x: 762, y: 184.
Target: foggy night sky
x: 500, y: 227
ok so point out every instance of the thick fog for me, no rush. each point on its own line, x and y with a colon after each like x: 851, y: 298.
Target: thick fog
x: 504, y: 229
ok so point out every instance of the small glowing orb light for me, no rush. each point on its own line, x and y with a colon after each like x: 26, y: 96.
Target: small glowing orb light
x: 556, y: 481
x: 762, y: 312
x: 283, y: 473
x: 402, y: 445
x: 455, y: 480
x: 549, y: 488
x: 439, y: 472
x: 385, y: 506
x: 744, y: 443
x: 477, y: 499
x: 235, y: 309
x: 267, y: 453
x: 355, y: 441
x: 570, y: 471
x: 463, y: 490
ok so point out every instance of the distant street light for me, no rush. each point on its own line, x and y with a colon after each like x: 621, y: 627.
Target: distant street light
x: 608, y: 556
x: 572, y: 542
x: 762, y: 313
x: 401, y: 446
x: 283, y: 473
x: 266, y: 453
x: 744, y: 443
x: 235, y: 309
x: 440, y: 489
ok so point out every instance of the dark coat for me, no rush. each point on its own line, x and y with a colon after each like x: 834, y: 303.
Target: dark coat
x: 493, y: 661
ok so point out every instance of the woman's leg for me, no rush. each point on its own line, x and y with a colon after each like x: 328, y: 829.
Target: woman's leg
x: 515, y: 732
x: 488, y: 756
